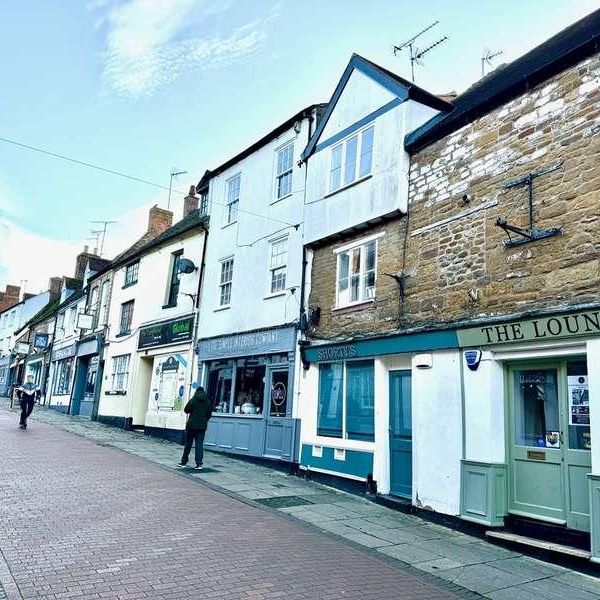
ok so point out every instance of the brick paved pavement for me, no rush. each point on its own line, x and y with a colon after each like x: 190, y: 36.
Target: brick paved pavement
x: 418, y: 545
x: 82, y: 520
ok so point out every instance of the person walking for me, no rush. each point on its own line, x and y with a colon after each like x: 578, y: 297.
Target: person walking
x: 199, y: 411
x: 27, y: 393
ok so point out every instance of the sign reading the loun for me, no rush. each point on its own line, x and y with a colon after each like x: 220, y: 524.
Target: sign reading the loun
x: 542, y: 329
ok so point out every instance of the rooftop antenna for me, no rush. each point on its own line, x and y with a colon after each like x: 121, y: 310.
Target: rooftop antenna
x: 487, y: 58
x: 174, y: 173
x: 103, y: 230
x: 415, y: 53
x: 95, y: 235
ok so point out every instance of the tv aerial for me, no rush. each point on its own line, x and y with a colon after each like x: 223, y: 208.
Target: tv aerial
x: 487, y: 58
x: 417, y: 54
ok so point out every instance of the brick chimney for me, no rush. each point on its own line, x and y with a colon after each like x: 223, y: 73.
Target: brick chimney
x: 9, y: 297
x: 190, y: 202
x: 81, y: 262
x: 159, y: 220
x: 55, y: 287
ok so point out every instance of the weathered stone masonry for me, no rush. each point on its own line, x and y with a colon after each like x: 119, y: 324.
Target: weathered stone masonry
x: 456, y: 247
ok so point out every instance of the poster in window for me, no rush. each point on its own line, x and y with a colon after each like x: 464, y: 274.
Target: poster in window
x: 579, y: 400
x: 168, y: 382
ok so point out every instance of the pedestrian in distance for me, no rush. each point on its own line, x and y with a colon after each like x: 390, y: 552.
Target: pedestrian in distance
x: 199, y: 411
x: 27, y: 393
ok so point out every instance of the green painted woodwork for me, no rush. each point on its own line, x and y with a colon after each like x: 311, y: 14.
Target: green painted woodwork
x: 594, y: 499
x: 400, y: 434
x: 356, y: 463
x: 483, y: 492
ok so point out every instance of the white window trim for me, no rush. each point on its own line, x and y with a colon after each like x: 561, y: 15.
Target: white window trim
x: 290, y: 142
x: 220, y: 306
x: 282, y: 292
x: 226, y: 222
x: 114, y: 373
x: 342, y: 143
x: 346, y: 248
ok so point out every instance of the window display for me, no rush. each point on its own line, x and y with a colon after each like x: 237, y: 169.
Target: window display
x: 249, y: 388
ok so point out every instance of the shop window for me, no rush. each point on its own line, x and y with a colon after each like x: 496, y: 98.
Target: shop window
x: 62, y: 381
x: 346, y: 400
x: 173, y: 290
x: 220, y: 382
x: 249, y: 388
x: 356, y: 274
x: 579, y: 406
x: 120, y: 373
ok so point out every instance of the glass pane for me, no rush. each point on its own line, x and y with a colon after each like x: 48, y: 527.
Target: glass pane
x: 369, y: 291
x: 350, y: 164
x: 279, y: 393
x: 249, y: 389
x: 360, y: 405
x: 329, y: 419
x: 536, y: 408
x: 336, y: 168
x: 371, y: 248
x: 579, y: 406
x: 366, y: 152
x: 402, y: 411
x: 220, y: 379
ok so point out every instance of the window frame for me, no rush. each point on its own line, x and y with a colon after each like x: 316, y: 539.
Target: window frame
x: 347, y: 249
x: 288, y: 171
x: 104, y: 303
x: 115, y: 373
x: 133, y: 267
x: 228, y: 202
x: 174, y: 280
x: 344, y: 401
x: 129, y: 303
x: 272, y: 269
x: 222, y: 283
x: 357, y: 167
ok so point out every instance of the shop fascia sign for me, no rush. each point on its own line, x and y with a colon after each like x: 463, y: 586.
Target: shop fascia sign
x: 168, y: 332
x: 61, y: 353
x: 541, y: 329
x: 258, y: 342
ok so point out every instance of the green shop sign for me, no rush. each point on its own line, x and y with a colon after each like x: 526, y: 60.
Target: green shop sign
x: 168, y: 332
x: 544, y: 328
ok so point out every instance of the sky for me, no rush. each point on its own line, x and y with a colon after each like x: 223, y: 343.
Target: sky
x: 146, y: 86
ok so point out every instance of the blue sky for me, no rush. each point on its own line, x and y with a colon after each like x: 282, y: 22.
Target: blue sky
x: 142, y: 86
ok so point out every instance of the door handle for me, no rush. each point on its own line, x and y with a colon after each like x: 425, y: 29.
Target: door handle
x: 561, y: 438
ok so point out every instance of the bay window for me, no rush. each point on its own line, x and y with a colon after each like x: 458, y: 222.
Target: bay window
x: 346, y: 400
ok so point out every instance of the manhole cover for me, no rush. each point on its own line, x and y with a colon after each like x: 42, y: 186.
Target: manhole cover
x: 284, y: 501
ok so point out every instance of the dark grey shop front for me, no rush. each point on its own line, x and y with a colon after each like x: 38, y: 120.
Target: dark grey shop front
x: 250, y: 378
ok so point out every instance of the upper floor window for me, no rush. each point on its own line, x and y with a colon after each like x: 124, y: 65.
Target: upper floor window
x: 120, y: 373
x: 204, y: 202
x: 104, y: 303
x: 351, y: 159
x: 285, y: 165
x: 126, y: 317
x: 233, y: 200
x: 225, y: 283
x: 174, y: 279
x: 93, y: 309
x: 131, y: 273
x: 356, y: 273
x: 278, y: 265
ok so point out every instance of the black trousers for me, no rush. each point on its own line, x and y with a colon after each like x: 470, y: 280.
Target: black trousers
x: 194, y: 436
x: 26, y: 408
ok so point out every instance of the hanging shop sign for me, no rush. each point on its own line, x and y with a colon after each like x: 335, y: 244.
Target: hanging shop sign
x: 579, y: 400
x: 40, y: 341
x: 542, y: 329
x: 168, y: 332
x: 257, y: 342
x: 167, y: 389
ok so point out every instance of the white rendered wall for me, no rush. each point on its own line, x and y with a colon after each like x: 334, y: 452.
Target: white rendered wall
x: 437, y: 433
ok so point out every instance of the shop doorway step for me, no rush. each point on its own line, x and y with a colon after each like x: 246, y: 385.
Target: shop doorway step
x: 546, y: 532
x: 521, y: 540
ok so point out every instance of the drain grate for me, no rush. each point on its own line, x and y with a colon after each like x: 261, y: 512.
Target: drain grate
x: 284, y: 501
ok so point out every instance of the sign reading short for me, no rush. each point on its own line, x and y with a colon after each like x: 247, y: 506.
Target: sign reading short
x: 168, y: 332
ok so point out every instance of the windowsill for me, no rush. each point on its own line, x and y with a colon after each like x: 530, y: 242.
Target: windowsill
x: 275, y: 295
x: 115, y: 393
x: 348, y: 185
x: 229, y: 224
x: 353, y: 307
x: 276, y: 200
x: 127, y: 285
x: 220, y: 308
x: 123, y: 333
x: 169, y: 306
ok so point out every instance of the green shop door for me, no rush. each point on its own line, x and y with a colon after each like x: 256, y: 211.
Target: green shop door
x: 549, y: 442
x: 400, y: 434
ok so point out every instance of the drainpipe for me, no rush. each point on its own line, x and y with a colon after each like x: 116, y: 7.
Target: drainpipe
x: 51, y: 346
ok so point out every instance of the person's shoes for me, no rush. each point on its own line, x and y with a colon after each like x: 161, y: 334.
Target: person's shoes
x: 181, y: 465
x: 198, y: 468
x: 22, y: 426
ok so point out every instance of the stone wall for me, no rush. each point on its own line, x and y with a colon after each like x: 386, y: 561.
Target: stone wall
x: 455, y: 246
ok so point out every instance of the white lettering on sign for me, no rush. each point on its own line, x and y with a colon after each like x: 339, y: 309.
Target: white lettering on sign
x: 337, y: 352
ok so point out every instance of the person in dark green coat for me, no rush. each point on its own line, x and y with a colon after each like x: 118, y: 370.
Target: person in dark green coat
x: 199, y: 411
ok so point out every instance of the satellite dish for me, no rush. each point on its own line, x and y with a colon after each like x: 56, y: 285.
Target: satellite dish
x: 186, y: 266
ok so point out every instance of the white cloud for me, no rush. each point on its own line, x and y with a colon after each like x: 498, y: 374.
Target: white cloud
x: 151, y: 43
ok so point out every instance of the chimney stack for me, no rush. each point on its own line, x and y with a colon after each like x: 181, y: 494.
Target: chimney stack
x: 55, y: 287
x: 190, y: 202
x: 10, y: 297
x: 159, y: 220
